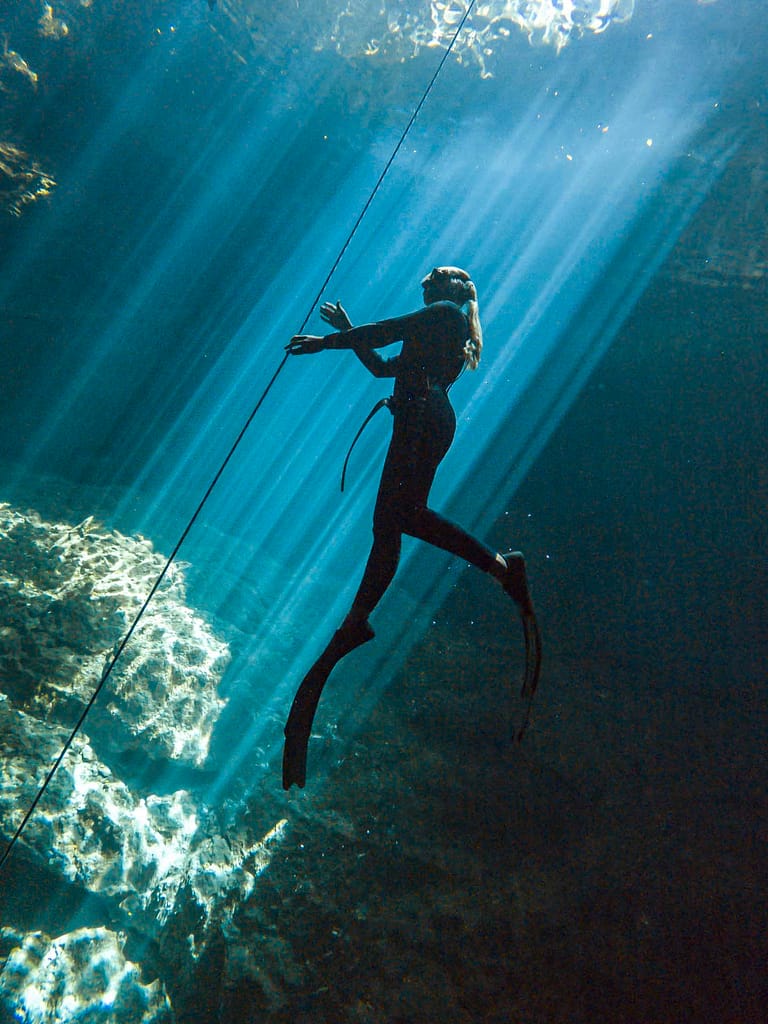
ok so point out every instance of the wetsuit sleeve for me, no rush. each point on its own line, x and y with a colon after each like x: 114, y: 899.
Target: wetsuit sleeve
x: 374, y: 363
x: 364, y: 341
x: 430, y: 335
x: 385, y: 332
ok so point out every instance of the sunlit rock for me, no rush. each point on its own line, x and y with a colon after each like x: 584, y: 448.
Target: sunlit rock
x: 78, y: 977
x: 89, y: 827
x: 404, y: 31
x: 158, y: 856
x: 12, y: 61
x: 396, y: 31
x: 50, y: 26
x: 69, y: 595
x: 22, y: 180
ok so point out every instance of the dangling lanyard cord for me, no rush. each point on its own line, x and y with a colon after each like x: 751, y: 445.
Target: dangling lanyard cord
x: 121, y: 646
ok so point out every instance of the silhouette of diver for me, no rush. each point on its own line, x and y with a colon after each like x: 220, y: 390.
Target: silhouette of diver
x: 438, y: 341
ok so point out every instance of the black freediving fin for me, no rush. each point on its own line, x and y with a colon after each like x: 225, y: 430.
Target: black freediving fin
x: 299, y: 725
x: 516, y: 585
x: 532, y: 667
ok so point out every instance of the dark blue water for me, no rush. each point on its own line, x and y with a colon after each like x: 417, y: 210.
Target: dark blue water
x: 609, y: 199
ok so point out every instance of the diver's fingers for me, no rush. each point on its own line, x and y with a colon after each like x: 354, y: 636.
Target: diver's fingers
x: 305, y: 345
x: 343, y: 322
x: 335, y: 315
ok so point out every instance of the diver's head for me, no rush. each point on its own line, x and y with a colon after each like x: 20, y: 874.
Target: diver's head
x: 455, y: 285
x: 448, y: 283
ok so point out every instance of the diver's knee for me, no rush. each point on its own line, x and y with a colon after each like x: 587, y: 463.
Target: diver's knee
x: 386, y: 523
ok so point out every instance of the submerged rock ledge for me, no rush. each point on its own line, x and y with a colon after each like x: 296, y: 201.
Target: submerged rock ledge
x: 81, y: 976
x: 69, y: 595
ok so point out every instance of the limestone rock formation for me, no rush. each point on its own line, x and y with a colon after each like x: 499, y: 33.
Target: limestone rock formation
x: 69, y: 595
x: 94, y: 831
x: 22, y: 179
x: 80, y: 976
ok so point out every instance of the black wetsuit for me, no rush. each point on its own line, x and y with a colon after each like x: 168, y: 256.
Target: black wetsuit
x: 431, y: 358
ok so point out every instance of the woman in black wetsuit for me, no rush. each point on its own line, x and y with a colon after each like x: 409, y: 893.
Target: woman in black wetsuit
x: 438, y: 341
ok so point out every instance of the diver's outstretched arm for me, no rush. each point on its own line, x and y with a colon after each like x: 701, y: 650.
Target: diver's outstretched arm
x: 335, y: 315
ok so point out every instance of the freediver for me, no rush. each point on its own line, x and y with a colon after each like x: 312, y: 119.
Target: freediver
x: 438, y: 342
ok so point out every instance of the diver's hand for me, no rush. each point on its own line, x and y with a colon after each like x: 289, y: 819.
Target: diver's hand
x: 336, y: 316
x: 305, y: 345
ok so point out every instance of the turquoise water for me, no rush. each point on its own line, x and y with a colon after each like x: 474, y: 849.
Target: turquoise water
x: 179, y: 181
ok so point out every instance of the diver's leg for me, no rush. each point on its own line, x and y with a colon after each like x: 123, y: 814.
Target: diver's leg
x: 427, y: 525
x: 379, y: 571
x: 429, y: 431
x: 355, y: 630
x: 426, y: 434
x: 384, y: 556
x: 509, y: 569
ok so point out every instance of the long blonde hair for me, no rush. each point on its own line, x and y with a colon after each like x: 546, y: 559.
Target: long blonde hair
x: 460, y: 288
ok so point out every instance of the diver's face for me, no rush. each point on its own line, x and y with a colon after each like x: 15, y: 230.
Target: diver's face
x: 434, y: 286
